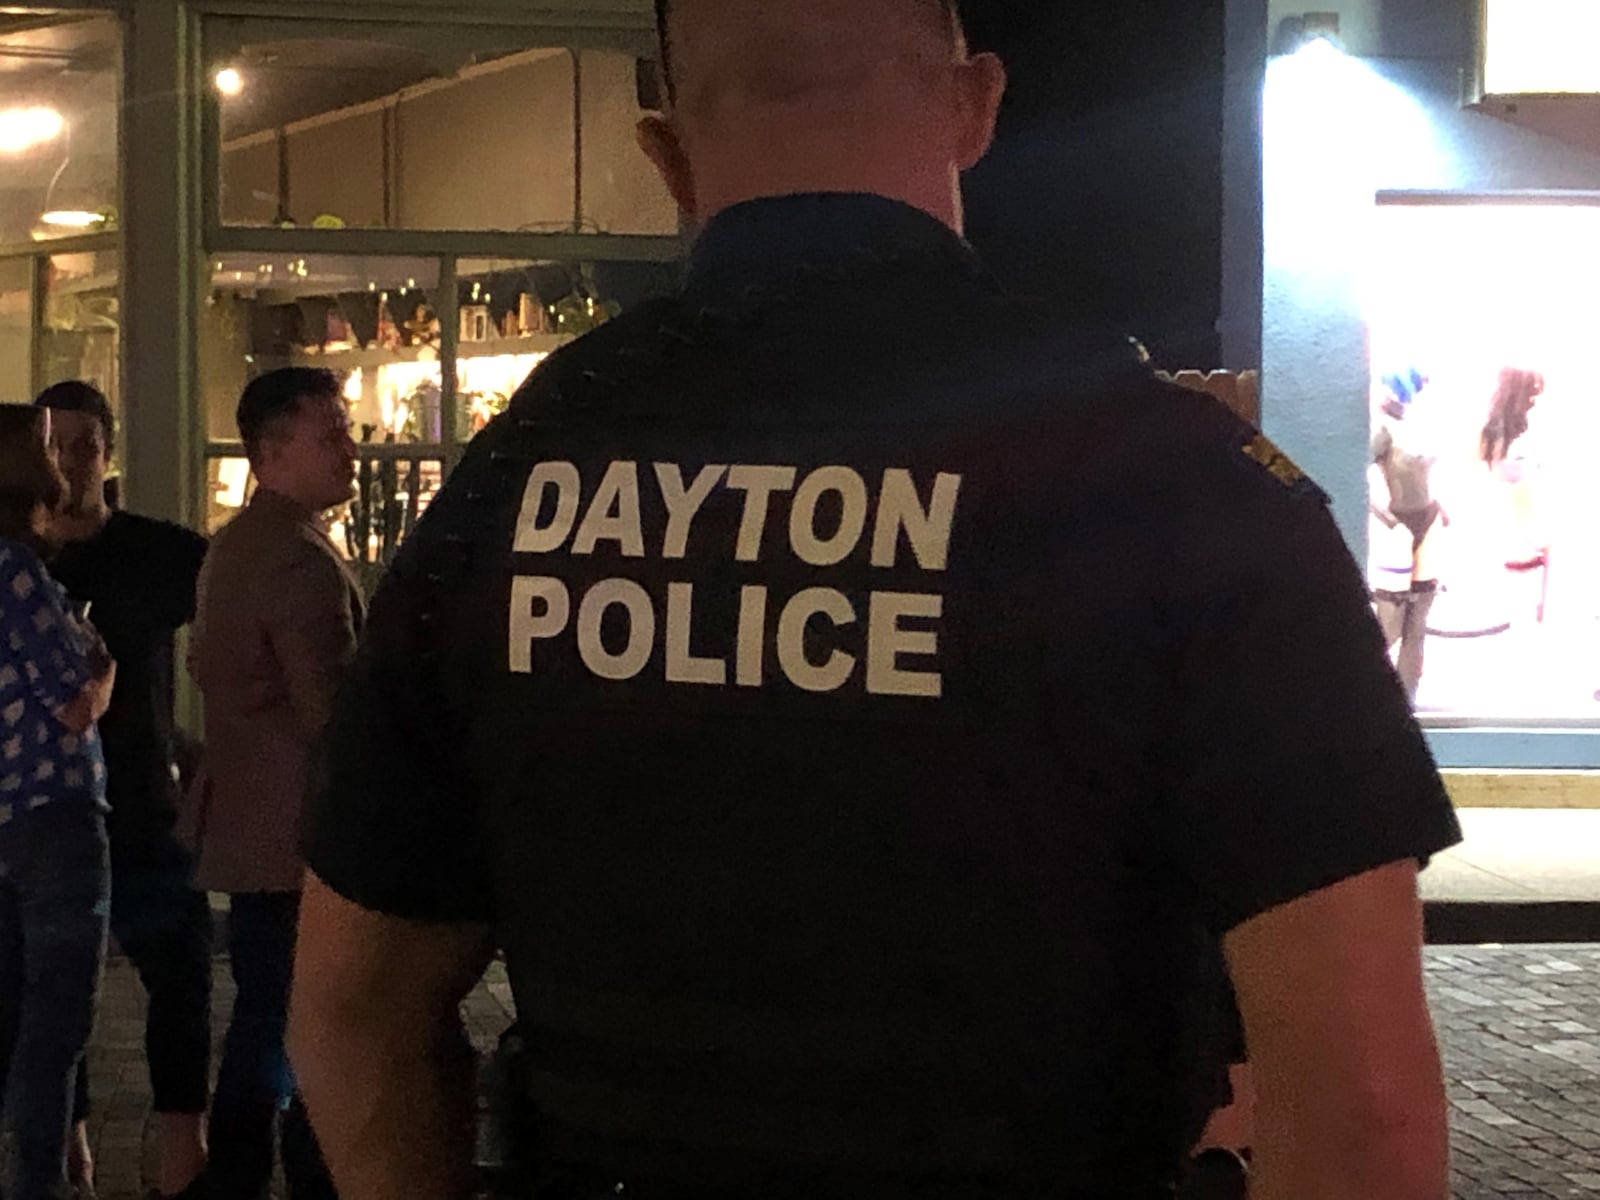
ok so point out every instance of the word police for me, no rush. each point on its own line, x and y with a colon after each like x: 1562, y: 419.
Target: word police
x: 902, y: 637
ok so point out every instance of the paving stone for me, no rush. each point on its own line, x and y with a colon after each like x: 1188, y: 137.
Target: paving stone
x: 1516, y: 1025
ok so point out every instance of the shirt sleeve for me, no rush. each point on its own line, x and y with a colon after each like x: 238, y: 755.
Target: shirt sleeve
x: 181, y: 557
x: 42, y: 637
x: 1296, y: 760
x: 393, y: 818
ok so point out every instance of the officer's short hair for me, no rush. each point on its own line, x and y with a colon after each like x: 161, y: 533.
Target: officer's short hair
x: 949, y: 9
x: 272, y: 398
x: 74, y: 395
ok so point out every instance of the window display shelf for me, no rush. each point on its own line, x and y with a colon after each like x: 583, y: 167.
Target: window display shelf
x: 86, y: 284
x: 351, y: 360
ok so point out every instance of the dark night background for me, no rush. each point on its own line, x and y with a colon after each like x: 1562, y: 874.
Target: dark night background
x: 1103, y: 195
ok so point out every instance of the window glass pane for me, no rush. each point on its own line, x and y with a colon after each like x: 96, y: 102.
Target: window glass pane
x: 415, y: 127
x: 1542, y: 46
x: 370, y: 319
x: 16, y: 329
x: 229, y: 486
x: 1485, y: 435
x: 392, y: 493
x: 514, y: 313
x: 81, y: 338
x: 59, y: 88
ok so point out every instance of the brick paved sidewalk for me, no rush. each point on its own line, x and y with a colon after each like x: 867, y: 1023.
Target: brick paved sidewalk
x: 121, y: 1132
x: 1520, y: 1028
x: 1521, y: 1034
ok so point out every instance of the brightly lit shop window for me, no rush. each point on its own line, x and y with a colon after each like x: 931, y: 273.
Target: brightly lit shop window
x: 1485, y: 457
x: 417, y: 390
x: 416, y: 127
x: 1541, y: 46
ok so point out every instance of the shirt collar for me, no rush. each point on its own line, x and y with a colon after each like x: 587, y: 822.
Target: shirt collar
x: 280, y: 505
x: 763, y: 242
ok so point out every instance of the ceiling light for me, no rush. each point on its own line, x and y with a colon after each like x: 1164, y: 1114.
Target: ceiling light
x: 24, y: 128
x: 73, y: 218
x: 229, y: 81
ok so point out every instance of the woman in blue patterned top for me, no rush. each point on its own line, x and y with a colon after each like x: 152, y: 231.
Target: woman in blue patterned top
x: 55, y: 881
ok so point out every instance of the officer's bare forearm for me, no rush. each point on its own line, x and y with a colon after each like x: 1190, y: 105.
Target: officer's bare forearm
x: 392, y: 1106
x: 377, y: 1048
x: 1350, y: 1090
x: 1370, y: 1158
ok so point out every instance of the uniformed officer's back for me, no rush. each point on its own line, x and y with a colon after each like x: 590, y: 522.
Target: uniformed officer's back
x: 848, y: 698
x: 788, y: 797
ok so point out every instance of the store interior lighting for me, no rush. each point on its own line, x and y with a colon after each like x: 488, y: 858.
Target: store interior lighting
x: 229, y: 81
x: 1541, y: 47
x: 23, y: 129
x: 73, y: 218
x: 68, y: 199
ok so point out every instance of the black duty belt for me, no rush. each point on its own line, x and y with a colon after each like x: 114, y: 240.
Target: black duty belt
x: 585, y: 1184
x: 670, y: 1071
x: 881, y: 1141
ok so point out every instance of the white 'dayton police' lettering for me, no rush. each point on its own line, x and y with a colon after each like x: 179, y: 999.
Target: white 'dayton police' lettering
x: 901, y: 628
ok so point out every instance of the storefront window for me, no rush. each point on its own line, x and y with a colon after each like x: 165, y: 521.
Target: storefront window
x: 372, y: 320
x: 229, y: 486
x: 1485, y: 445
x: 59, y: 112
x: 413, y: 392
x: 392, y: 493
x: 16, y: 329
x: 513, y: 314
x: 81, y: 338
x: 423, y: 128
x: 1541, y: 46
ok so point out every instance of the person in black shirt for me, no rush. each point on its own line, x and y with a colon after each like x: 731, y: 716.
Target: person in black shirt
x: 137, y: 575
x: 868, y: 716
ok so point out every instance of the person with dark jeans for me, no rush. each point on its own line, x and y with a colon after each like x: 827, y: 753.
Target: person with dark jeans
x: 54, y: 889
x: 279, y: 613
x: 139, y: 576
x: 255, y: 1084
x: 154, y: 922
x: 56, y: 679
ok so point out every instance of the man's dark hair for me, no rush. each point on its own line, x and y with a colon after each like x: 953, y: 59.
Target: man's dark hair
x: 75, y: 395
x: 272, y: 398
x: 29, y: 476
x: 951, y: 8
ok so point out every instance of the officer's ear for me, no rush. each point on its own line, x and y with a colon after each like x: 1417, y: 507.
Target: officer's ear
x: 980, y: 86
x: 660, y: 143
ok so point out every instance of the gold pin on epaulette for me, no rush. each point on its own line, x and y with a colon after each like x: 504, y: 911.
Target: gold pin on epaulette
x: 1260, y: 450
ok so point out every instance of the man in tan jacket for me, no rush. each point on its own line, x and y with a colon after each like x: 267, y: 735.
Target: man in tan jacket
x: 279, y: 614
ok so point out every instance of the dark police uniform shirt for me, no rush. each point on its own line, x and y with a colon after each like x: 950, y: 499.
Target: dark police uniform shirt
x: 139, y: 575
x: 862, y: 710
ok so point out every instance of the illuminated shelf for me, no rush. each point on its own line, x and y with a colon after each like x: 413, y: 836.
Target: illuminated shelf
x: 351, y: 360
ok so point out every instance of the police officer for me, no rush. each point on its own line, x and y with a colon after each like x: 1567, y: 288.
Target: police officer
x: 867, y: 719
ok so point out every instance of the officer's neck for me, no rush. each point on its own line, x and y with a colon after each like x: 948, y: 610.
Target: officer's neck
x: 935, y: 191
